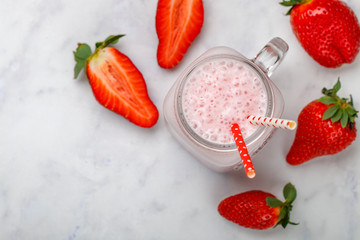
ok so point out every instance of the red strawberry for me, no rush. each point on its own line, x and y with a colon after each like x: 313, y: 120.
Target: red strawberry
x: 178, y: 22
x: 327, y: 29
x: 259, y: 210
x: 325, y: 126
x: 116, y: 83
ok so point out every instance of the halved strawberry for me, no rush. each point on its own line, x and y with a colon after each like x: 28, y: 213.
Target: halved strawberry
x: 178, y: 22
x: 116, y: 82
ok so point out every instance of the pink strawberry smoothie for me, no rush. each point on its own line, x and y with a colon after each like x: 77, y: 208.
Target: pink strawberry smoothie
x: 219, y: 93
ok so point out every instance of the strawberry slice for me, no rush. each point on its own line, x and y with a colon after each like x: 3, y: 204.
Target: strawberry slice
x: 178, y: 22
x: 116, y: 82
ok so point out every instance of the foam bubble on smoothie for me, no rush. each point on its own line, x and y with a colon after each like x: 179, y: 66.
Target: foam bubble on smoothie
x: 220, y: 93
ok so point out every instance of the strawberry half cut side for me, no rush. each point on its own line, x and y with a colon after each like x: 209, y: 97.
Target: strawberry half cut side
x: 178, y: 22
x: 116, y: 82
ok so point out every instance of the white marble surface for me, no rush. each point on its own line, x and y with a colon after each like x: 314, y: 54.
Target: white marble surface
x: 70, y: 169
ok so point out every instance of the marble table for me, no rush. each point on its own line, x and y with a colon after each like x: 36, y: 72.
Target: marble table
x: 70, y: 169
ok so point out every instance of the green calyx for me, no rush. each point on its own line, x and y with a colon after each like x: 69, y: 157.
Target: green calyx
x: 289, y: 193
x: 293, y: 3
x: 112, y: 39
x: 83, y: 52
x: 340, y: 109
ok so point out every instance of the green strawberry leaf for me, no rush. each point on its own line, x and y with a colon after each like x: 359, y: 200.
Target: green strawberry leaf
x: 290, y: 3
x: 351, y: 101
x: 292, y: 223
x: 98, y: 44
x: 330, y: 112
x: 78, y: 67
x: 351, y: 111
x: 337, y: 115
x: 337, y: 86
x: 287, y: 3
x: 327, y: 100
x: 285, y: 221
x: 352, y: 118
x: 287, y: 189
x: 112, y: 39
x: 289, y: 192
x: 344, y: 119
x: 82, y: 52
x: 274, y: 202
x: 282, y: 216
x: 332, y: 92
x: 81, y: 55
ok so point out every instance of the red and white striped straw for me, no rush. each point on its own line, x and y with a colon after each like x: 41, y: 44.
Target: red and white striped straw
x: 245, y: 157
x: 272, y: 122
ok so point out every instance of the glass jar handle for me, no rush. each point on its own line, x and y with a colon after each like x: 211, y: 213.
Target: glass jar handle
x: 269, y: 58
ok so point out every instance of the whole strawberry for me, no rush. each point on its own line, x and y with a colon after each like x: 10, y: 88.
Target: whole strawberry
x: 325, y: 126
x: 257, y: 209
x: 328, y: 30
